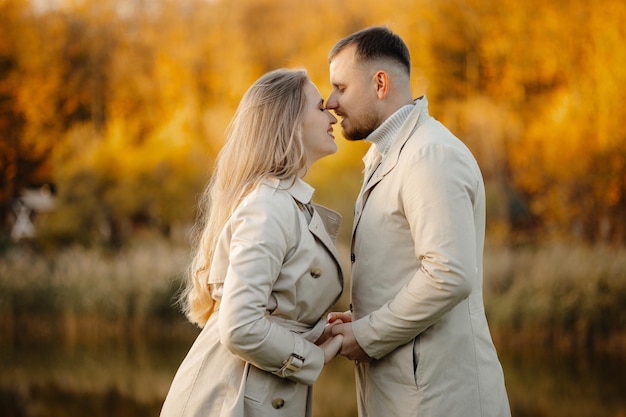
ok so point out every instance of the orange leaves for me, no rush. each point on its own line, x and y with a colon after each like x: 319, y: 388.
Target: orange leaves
x: 139, y: 89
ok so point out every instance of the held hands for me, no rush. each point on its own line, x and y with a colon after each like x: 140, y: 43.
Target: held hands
x: 340, y: 324
x: 330, y: 343
x: 345, y: 317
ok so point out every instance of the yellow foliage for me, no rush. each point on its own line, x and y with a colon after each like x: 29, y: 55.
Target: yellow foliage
x: 534, y: 88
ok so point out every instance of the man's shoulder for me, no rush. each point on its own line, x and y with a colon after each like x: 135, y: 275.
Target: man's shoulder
x: 432, y: 140
x: 431, y: 132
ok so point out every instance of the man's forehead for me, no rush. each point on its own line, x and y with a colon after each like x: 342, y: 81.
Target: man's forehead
x: 345, y: 55
x: 343, y: 62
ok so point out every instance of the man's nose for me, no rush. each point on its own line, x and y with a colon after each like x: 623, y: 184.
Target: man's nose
x: 331, y: 103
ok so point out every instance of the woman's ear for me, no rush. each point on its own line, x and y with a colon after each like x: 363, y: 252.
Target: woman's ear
x: 381, y: 80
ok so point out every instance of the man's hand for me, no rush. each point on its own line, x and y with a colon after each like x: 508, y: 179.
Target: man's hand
x: 350, y: 348
x: 345, y: 317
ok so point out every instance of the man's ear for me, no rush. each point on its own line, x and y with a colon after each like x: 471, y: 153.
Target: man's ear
x: 381, y: 80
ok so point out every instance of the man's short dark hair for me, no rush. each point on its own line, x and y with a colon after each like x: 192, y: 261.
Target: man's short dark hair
x: 374, y: 43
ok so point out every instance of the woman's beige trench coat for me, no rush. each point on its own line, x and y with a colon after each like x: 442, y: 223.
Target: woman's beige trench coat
x: 281, y: 275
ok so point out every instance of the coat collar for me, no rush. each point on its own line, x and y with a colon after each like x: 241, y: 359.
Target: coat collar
x: 412, y: 122
x: 417, y: 116
x: 324, y: 224
x: 323, y: 217
x: 296, y: 187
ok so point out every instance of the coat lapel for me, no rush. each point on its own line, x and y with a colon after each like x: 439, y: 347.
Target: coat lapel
x: 324, y: 226
x: 390, y: 160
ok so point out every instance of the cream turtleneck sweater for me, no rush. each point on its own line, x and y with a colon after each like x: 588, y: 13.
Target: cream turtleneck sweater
x: 385, y: 134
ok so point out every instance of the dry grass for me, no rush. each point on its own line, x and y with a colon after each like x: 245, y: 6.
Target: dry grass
x: 552, y: 295
x: 88, y: 292
x: 569, y: 296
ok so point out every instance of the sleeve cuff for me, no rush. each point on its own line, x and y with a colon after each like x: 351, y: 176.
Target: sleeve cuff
x: 294, y: 362
x: 365, y: 337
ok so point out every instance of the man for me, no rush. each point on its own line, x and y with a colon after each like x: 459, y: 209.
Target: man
x: 417, y: 331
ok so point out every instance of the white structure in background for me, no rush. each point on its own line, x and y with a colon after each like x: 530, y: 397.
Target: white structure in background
x: 31, y: 203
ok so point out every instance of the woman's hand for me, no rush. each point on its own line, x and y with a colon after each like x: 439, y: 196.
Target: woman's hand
x: 327, y: 334
x: 329, y: 343
x: 331, y: 347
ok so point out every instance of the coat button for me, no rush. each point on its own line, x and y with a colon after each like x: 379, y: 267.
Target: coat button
x: 278, y: 403
x: 316, y: 272
x: 352, y: 257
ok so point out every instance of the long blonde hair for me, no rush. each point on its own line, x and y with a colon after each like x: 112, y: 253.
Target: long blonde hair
x: 262, y: 140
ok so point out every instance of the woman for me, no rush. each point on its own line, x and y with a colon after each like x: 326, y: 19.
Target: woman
x: 266, y: 270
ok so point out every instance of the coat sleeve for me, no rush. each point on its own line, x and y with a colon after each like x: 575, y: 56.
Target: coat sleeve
x: 262, y: 233
x: 438, y: 189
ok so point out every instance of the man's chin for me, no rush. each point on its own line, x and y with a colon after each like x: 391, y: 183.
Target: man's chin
x: 352, y: 136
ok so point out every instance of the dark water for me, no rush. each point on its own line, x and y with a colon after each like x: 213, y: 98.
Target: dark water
x: 127, y: 379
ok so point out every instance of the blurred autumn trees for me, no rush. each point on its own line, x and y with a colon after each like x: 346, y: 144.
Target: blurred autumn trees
x: 121, y: 104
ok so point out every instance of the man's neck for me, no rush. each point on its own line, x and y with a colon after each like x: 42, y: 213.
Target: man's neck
x: 385, y: 134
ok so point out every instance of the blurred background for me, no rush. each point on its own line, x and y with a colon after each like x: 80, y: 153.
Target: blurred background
x: 111, y: 115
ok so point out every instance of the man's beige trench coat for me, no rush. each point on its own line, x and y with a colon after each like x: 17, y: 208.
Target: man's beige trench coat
x: 417, y: 280
x: 281, y: 275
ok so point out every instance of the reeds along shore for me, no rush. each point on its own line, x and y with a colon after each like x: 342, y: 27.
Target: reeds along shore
x: 563, y: 296
x: 90, y: 294
x: 557, y: 296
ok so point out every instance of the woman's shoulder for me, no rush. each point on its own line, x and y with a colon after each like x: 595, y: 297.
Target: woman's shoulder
x: 271, y: 196
x: 269, y: 212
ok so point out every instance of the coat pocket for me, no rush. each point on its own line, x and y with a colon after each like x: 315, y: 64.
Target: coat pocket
x: 397, y: 368
x: 257, y: 384
x: 267, y: 394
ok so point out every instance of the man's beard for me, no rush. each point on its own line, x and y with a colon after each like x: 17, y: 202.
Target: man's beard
x: 362, y: 131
